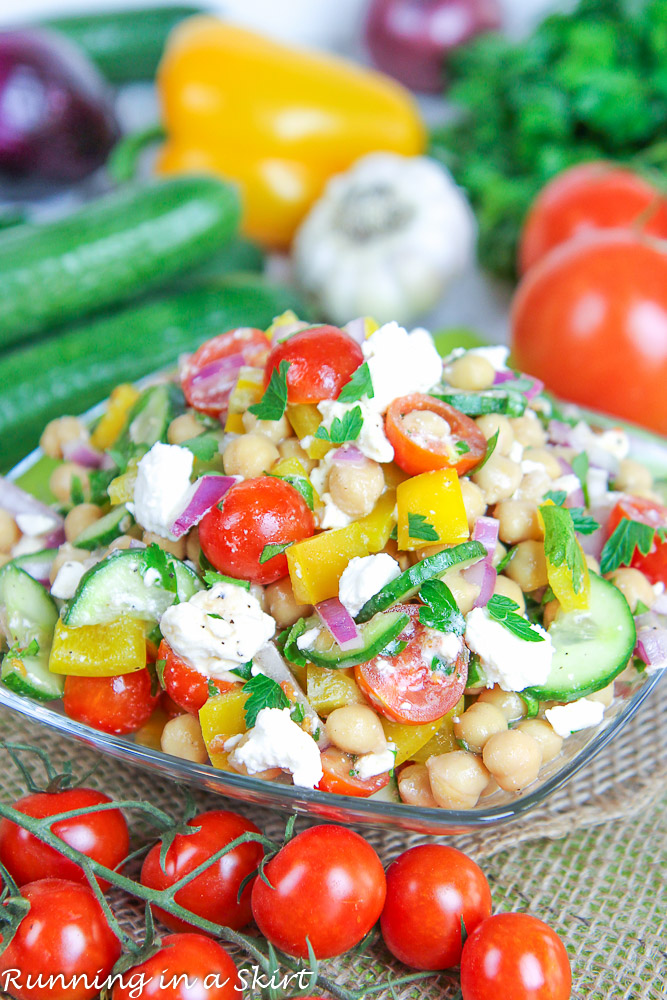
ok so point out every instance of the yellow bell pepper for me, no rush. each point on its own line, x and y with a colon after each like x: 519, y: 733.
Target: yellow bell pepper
x: 121, y: 489
x: 150, y: 734
x: 279, y: 121
x: 435, y: 499
x: 221, y: 717
x: 304, y: 419
x: 247, y: 391
x: 561, y: 576
x: 330, y: 689
x: 376, y: 527
x: 119, y: 647
x: 408, y: 740
x: 443, y: 741
x: 111, y: 423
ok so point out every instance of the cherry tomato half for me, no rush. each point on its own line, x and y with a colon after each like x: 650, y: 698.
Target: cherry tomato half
x: 516, y: 957
x: 412, y: 691
x: 416, y: 450
x: 213, y: 894
x: 328, y: 886
x: 251, y: 515
x: 188, y: 687
x: 64, y: 934
x: 210, y: 374
x: 430, y: 889
x: 185, y: 967
x: 102, y: 836
x: 590, y: 196
x: 654, y: 564
x: 339, y: 778
x: 322, y: 360
x: 113, y: 704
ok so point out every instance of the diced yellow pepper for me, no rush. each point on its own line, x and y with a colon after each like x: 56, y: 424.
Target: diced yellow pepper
x: 118, y: 647
x: 331, y: 689
x: 293, y: 467
x: 444, y: 740
x: 436, y: 498
x: 121, y: 401
x: 150, y: 734
x: 221, y: 717
x: 562, y: 583
x: 288, y: 318
x: 377, y: 526
x: 304, y: 419
x: 316, y: 564
x: 121, y: 489
x: 409, y: 739
x: 247, y: 391
x: 393, y: 476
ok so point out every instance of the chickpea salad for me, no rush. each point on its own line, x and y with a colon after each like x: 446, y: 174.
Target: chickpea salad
x: 329, y: 557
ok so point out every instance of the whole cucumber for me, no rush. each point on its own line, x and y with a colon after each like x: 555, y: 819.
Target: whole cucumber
x: 69, y: 373
x: 124, y: 244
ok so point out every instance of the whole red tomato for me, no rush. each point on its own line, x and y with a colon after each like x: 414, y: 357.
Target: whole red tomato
x: 590, y: 320
x: 516, y: 957
x: 102, y: 836
x: 209, y: 375
x: 64, y: 934
x: 251, y: 515
x: 113, y: 704
x: 187, y: 687
x: 328, y: 886
x: 185, y: 967
x: 587, y: 197
x: 430, y: 889
x: 213, y: 894
x: 321, y: 360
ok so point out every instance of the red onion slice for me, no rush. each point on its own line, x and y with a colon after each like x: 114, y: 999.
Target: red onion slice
x: 16, y: 501
x: 652, y: 646
x: 536, y: 388
x: 505, y: 376
x: 218, y: 374
x: 486, y: 532
x: 348, y: 453
x: 483, y: 575
x: 38, y: 565
x: 356, y: 329
x: 199, y: 499
x: 83, y: 453
x: 340, y: 623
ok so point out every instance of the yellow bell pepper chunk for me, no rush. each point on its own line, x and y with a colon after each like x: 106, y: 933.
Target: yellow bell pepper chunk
x: 561, y: 577
x: 443, y: 741
x: 118, y: 647
x: 150, y: 734
x: 288, y: 318
x: 288, y: 468
x: 330, y: 689
x: 221, y: 717
x: 408, y: 740
x: 377, y: 526
x: 248, y: 390
x: 435, y: 499
x: 121, y: 489
x: 111, y: 423
x: 304, y: 419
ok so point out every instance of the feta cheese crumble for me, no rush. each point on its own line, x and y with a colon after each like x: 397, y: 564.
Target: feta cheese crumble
x: 163, y: 480
x: 507, y: 660
x: 495, y: 354
x: 371, y: 764
x: 277, y: 741
x: 68, y: 579
x: 363, y: 578
x: 400, y: 363
x: 36, y: 524
x: 372, y: 441
x: 581, y: 714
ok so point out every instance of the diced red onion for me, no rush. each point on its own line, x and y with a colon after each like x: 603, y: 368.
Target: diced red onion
x: 483, y: 575
x: 486, y: 532
x: 16, y: 501
x: 348, y: 453
x: 83, y: 453
x: 219, y: 373
x: 199, y: 499
x: 54, y: 539
x: 38, y: 566
x: 660, y: 606
x: 560, y: 433
x: 501, y: 377
x: 575, y: 499
x: 340, y: 623
x: 652, y: 646
x: 356, y: 329
x: 536, y: 388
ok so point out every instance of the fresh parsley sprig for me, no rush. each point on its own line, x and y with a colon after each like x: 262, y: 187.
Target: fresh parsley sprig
x: 263, y: 692
x: 361, y: 384
x: 490, y: 448
x: 504, y: 611
x: 274, y: 401
x: 204, y: 446
x: 580, y: 466
x: 561, y: 545
x: 211, y: 577
x: 301, y: 484
x: 441, y: 610
x: 346, y: 429
x: 419, y: 527
x: 155, y: 558
x: 583, y: 522
x: 626, y: 538
x: 271, y: 550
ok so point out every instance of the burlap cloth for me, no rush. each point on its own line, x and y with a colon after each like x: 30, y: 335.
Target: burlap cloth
x: 592, y: 862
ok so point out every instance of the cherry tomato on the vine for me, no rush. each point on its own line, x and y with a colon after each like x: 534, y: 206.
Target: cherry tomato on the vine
x: 187, y: 966
x: 328, y: 886
x: 188, y: 687
x: 416, y: 451
x: 322, y: 360
x: 654, y: 563
x: 338, y: 775
x: 113, y: 704
x: 210, y: 374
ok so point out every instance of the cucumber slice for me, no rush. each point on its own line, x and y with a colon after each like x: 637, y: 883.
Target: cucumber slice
x: 149, y: 419
x: 29, y: 613
x: 376, y: 635
x: 475, y: 404
x: 591, y: 647
x: 407, y: 584
x: 116, y: 586
x: 103, y: 532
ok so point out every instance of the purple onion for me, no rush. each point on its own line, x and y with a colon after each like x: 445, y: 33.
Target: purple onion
x: 203, y: 494
x: 83, y: 453
x: 486, y: 531
x: 483, y: 575
x: 16, y: 501
x: 348, y: 453
x: 536, y: 388
x: 502, y: 377
x: 652, y: 646
x: 340, y: 623
x: 54, y: 539
x: 356, y: 329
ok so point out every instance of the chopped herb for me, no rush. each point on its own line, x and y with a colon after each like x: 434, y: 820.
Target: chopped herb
x: 290, y: 650
x: 17, y: 652
x: 462, y: 447
x: 243, y: 670
x: 347, y: 429
x: 212, y: 689
x: 556, y: 496
x: 394, y: 533
x: 419, y: 527
x: 641, y: 609
x: 211, y: 577
x: 627, y: 537
x: 490, y: 448
x: 465, y: 746
x: 153, y: 557
x: 441, y: 611
x: 316, y: 735
x: 262, y: 692
x: 531, y: 702
x: 271, y: 550
x: 98, y: 482
x: 353, y: 773
x: 503, y: 610
x: 560, y: 543
x: 393, y: 648
x: 506, y: 559
x: 583, y: 522
x: 476, y: 676
x: 547, y: 596
x: 212, y: 614
x: 76, y: 491
x: 442, y: 666
x: 302, y: 485
x: 203, y: 447
x: 361, y: 384
x: 159, y: 670
x: 297, y: 714
x: 580, y: 465
x: 274, y: 401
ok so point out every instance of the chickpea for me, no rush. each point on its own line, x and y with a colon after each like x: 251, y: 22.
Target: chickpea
x: 634, y: 586
x: 499, y: 478
x: 66, y: 553
x: 120, y: 544
x: 605, y: 695
x: 426, y: 550
x: 544, y: 734
x: 474, y: 501
x: 60, y: 432
x: 470, y: 371
x: 511, y: 705
x: 192, y: 546
x: 291, y: 448
x: 528, y: 566
x: 551, y: 609
x: 355, y: 487
x: 356, y: 729
x: 508, y: 588
x: 513, y: 758
x: 80, y: 518
x: 490, y: 787
x: 632, y: 476
x: 592, y: 563
x: 249, y: 455
x: 4, y: 558
x: 528, y: 431
x: 182, y: 737
x: 274, y: 430
x: 425, y: 424
x: 402, y: 558
x: 534, y: 485
x: 9, y: 531
x: 457, y: 779
x: 560, y: 451
x: 489, y: 423
x: 183, y: 428
x: 478, y: 723
x: 281, y: 605
x: 465, y: 594
x: 176, y: 548
x: 62, y: 478
x: 518, y: 521
x: 546, y: 458
x: 414, y: 786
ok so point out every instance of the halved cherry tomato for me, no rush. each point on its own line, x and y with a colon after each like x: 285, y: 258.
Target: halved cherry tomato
x: 207, y: 384
x: 416, y: 452
x: 251, y: 515
x: 186, y: 686
x: 339, y: 777
x: 322, y: 360
x: 406, y: 688
x: 654, y: 564
x: 113, y: 704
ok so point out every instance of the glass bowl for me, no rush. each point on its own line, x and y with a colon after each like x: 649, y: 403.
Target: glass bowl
x: 501, y: 807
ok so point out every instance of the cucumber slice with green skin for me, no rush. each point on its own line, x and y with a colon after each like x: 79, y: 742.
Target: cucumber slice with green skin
x: 103, y: 532
x: 153, y: 412
x: 475, y: 404
x: 591, y: 647
x: 116, y: 587
x: 29, y: 613
x: 376, y: 635
x: 407, y: 584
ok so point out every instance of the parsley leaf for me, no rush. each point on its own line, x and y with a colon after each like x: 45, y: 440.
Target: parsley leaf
x: 556, y: 496
x: 211, y: 578
x: 274, y: 401
x: 627, y: 537
x: 442, y: 611
x: 76, y: 491
x: 16, y: 652
x: 347, y: 429
x: 442, y: 666
x: 561, y: 545
x: 157, y: 559
x: 393, y: 648
x: 269, y: 551
x: 583, y: 522
x: 203, y: 447
x: 580, y: 465
x: 212, y: 689
x: 297, y: 714
x: 286, y: 642
x: 301, y: 484
x: 394, y: 533
x: 419, y: 527
x: 212, y: 614
x: 506, y: 559
x: 243, y: 670
x: 159, y: 670
x: 462, y: 447
x: 490, y: 448
x: 641, y: 609
x: 503, y: 610
x: 263, y: 692
x: 359, y: 385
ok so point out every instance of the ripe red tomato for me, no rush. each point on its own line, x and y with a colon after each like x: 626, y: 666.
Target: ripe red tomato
x: 188, y: 687
x: 185, y: 967
x: 64, y: 934
x: 322, y: 360
x: 590, y: 320
x: 213, y: 894
x: 113, y: 704
x: 252, y: 514
x: 415, y: 453
x: 429, y: 889
x: 654, y: 563
x: 328, y: 886
x: 102, y: 836
x: 515, y: 956
x: 587, y: 197
x: 338, y: 776
x: 412, y: 692
x: 209, y: 375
